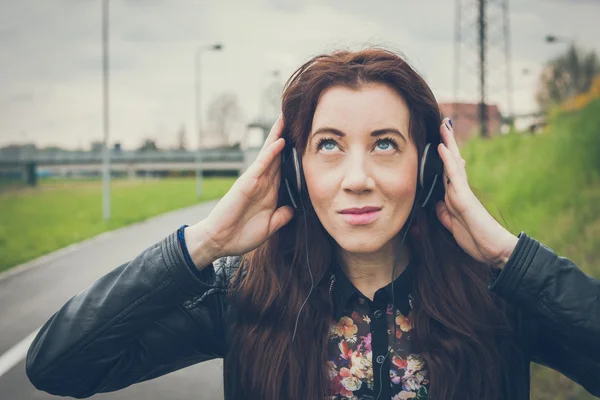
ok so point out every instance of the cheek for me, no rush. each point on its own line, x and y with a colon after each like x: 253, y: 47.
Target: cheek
x: 400, y: 183
x: 400, y: 187
x: 321, y: 189
x: 399, y: 196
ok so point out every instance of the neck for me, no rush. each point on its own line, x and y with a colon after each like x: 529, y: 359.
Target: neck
x: 369, y: 272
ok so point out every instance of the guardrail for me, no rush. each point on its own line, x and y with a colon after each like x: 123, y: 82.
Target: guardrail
x: 121, y: 157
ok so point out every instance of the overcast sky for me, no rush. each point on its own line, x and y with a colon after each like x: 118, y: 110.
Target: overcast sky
x: 50, y: 56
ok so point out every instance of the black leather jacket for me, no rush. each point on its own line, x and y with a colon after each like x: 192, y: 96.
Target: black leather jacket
x: 153, y: 315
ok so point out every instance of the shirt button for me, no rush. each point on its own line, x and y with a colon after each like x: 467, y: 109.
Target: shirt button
x: 377, y: 314
x: 380, y: 359
x: 361, y: 300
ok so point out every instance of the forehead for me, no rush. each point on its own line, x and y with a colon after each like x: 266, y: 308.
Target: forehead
x: 360, y: 111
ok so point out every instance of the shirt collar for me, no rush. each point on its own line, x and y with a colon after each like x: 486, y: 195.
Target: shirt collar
x: 343, y: 290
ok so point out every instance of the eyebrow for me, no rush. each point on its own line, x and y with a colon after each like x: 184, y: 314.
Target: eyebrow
x: 375, y: 133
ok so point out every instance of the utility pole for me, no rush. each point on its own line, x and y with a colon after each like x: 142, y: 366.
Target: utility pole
x: 198, y: 111
x: 483, y: 119
x: 481, y: 28
x: 105, y: 149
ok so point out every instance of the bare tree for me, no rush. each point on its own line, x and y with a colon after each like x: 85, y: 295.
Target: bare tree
x: 272, y: 98
x: 223, y: 114
x: 181, y: 138
x: 148, y: 145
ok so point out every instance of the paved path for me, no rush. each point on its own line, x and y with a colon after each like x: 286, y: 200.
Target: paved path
x: 30, y: 297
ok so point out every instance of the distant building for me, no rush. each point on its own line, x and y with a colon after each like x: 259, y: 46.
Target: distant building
x: 256, y: 133
x: 465, y: 119
x: 17, y: 150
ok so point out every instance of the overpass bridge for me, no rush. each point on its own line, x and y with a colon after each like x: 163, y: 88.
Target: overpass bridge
x: 29, y: 165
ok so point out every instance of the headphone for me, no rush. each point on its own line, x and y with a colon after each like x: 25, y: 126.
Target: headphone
x: 430, y: 183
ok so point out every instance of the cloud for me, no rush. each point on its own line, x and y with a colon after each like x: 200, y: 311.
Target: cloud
x: 51, y: 71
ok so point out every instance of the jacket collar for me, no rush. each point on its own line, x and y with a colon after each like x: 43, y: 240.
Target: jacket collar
x: 343, y: 290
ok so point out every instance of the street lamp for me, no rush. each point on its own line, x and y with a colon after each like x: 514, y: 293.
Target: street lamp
x: 105, y: 150
x: 199, y: 50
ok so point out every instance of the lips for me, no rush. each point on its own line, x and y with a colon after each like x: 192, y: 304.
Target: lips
x: 361, y: 216
x: 362, y: 210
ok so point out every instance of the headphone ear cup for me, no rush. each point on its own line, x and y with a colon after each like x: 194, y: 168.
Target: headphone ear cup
x: 299, y: 174
x: 290, y: 184
x: 431, y: 173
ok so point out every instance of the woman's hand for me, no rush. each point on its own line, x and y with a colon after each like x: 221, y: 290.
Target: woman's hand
x: 473, y: 228
x: 248, y: 215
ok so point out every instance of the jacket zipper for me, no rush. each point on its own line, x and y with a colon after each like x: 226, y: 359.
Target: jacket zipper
x: 332, y: 281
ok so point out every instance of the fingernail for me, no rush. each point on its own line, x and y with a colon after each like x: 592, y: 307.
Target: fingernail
x: 450, y: 122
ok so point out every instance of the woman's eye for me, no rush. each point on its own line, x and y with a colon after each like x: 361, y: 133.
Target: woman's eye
x: 386, y: 144
x: 327, y: 144
x: 381, y: 144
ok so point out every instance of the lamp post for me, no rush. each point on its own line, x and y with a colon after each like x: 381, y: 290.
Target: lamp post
x: 105, y: 150
x: 199, y: 51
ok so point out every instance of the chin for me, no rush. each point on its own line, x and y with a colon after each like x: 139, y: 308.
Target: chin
x: 359, y: 243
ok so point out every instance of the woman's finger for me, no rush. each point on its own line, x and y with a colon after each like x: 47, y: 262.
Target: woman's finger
x: 443, y: 215
x: 281, y: 217
x: 445, y: 178
x: 448, y: 138
x: 274, y: 134
x: 265, y: 159
x: 450, y: 165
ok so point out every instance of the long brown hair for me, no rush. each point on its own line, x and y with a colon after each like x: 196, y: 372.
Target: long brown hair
x: 457, y: 321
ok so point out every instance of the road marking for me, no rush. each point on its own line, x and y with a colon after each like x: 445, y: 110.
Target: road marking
x: 15, y: 354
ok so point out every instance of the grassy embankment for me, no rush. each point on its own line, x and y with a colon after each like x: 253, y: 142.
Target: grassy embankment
x: 547, y: 185
x: 36, y: 221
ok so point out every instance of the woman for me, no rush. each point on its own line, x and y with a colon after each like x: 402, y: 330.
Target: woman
x: 329, y: 297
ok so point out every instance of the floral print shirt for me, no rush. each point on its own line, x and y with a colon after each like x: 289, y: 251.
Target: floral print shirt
x: 360, y: 336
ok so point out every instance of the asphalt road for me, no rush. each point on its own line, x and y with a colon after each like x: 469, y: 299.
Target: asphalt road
x: 30, y: 297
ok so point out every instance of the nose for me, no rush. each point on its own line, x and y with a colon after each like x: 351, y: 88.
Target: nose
x: 357, y: 177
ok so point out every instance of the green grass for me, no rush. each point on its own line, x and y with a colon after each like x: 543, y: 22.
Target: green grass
x: 36, y: 221
x: 547, y: 185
